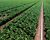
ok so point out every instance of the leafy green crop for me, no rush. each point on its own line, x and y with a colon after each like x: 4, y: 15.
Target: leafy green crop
x: 12, y: 12
x: 47, y: 18
x: 22, y: 27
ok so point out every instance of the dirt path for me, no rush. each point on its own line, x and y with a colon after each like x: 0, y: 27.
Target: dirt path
x: 39, y: 31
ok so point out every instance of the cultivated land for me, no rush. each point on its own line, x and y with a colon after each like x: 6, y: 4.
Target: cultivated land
x: 19, y: 22
x: 24, y: 20
x: 47, y: 18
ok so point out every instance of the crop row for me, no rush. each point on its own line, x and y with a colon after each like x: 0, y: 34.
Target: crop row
x: 10, y: 14
x: 16, y: 6
x: 22, y: 27
x: 47, y: 18
x: 8, y: 4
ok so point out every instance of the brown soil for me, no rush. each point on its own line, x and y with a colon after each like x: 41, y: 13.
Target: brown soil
x: 40, y: 30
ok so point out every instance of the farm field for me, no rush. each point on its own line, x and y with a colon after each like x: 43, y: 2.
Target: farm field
x: 7, y: 4
x: 9, y: 13
x: 24, y: 19
x: 47, y: 18
x: 19, y: 19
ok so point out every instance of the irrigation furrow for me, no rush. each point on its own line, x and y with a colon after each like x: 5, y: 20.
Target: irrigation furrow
x: 10, y: 19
